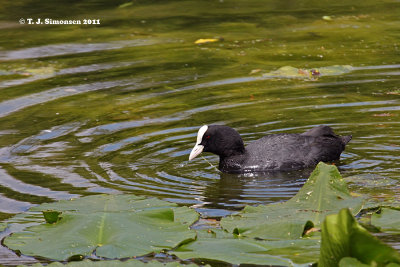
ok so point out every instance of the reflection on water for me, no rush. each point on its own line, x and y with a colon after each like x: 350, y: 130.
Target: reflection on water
x: 116, y: 108
x: 64, y: 49
x: 233, y: 191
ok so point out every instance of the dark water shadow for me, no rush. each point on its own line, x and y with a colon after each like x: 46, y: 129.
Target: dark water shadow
x: 233, y: 191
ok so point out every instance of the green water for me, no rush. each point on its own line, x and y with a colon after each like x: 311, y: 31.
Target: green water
x: 115, y: 107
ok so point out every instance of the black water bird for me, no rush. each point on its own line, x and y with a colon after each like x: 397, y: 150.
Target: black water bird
x: 275, y: 152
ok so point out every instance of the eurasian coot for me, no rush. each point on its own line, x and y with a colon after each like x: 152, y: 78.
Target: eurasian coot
x: 275, y: 152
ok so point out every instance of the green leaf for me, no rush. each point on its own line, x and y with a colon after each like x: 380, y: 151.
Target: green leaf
x: 351, y: 262
x: 325, y: 192
x: 387, y: 220
x: 343, y: 237
x: 51, y: 216
x: 113, y: 263
x: 110, y: 226
x: 220, y: 246
x: 294, y: 73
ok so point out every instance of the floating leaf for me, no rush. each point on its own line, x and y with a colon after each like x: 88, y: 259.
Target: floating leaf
x: 51, y: 216
x: 113, y: 263
x: 343, y: 237
x: 387, y: 220
x: 218, y: 245
x: 335, y: 70
x: 288, y: 72
x: 204, y: 41
x: 325, y: 192
x: 292, y: 72
x: 110, y: 226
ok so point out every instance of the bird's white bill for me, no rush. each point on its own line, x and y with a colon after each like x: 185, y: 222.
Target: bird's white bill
x: 196, y: 151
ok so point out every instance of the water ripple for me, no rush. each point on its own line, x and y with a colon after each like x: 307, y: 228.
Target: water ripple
x: 68, y: 48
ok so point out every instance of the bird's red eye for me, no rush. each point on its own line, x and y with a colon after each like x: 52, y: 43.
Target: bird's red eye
x: 207, y: 137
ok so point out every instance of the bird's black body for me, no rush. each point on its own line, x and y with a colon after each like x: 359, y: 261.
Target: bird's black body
x: 275, y: 152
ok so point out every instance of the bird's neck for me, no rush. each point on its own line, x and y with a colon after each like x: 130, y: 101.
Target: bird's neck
x: 233, y: 163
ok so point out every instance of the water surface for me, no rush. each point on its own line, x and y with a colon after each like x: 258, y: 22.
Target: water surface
x: 115, y: 107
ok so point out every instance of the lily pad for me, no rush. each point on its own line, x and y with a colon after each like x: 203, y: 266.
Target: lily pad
x: 109, y: 226
x: 51, y: 216
x: 387, y: 220
x: 343, y: 237
x: 325, y: 192
x: 217, y: 245
x: 114, y: 263
x: 295, y: 73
